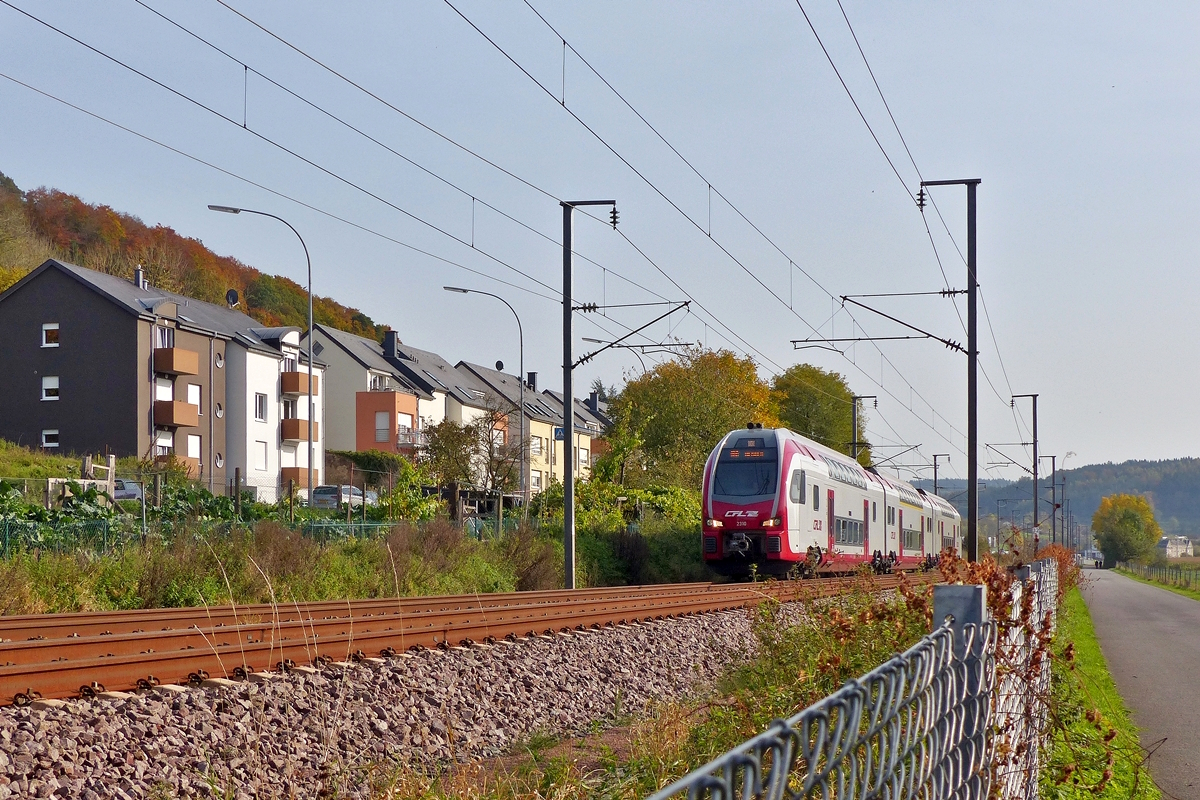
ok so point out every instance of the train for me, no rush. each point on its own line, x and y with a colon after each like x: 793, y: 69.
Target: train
x: 777, y: 504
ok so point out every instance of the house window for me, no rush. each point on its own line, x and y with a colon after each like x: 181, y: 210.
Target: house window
x: 289, y: 364
x: 219, y: 410
x: 50, y: 334
x: 498, y: 437
x: 193, y: 446
x: 289, y: 409
x: 163, y: 337
x: 164, y: 443
x: 260, y: 408
x: 50, y: 438
x: 260, y: 456
x: 404, y: 422
x: 193, y: 396
x: 583, y: 456
x: 50, y: 387
x: 164, y: 389
x: 535, y: 445
x: 383, y: 422
x: 219, y: 360
x: 535, y: 479
x: 219, y: 460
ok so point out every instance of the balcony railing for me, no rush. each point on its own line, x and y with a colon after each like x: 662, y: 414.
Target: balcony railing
x: 296, y: 430
x: 176, y: 361
x: 297, y: 383
x: 174, y: 414
x: 411, y: 439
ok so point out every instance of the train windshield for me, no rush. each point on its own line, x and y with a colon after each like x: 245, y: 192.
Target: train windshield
x: 746, y: 473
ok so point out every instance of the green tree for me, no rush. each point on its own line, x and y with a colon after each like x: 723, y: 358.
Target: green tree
x: 816, y: 403
x: 679, y: 410
x: 1125, y: 528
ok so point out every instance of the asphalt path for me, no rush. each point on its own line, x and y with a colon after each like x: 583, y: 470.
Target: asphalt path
x: 1151, y: 640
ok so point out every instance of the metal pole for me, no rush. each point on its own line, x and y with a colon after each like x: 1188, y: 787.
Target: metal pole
x: 972, y: 384
x: 936, y: 456
x: 854, y: 428
x: 308, y: 260
x: 568, y: 452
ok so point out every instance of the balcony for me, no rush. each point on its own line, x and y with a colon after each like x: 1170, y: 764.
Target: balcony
x: 296, y: 430
x: 297, y: 383
x: 411, y: 439
x: 174, y: 414
x: 192, y: 465
x: 299, y: 475
x: 176, y: 361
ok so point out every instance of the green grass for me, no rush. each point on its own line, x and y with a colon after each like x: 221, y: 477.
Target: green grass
x: 1181, y: 590
x: 1086, y: 708
x: 22, y: 462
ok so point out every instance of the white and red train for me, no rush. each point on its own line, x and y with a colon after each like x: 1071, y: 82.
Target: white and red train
x: 777, y: 503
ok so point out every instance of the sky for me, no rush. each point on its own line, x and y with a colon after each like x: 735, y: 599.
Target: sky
x: 776, y: 183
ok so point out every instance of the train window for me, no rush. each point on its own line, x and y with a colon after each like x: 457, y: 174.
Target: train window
x: 816, y: 497
x: 872, y: 511
x: 797, y: 490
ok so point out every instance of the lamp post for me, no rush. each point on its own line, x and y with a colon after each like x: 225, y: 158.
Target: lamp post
x: 308, y: 259
x: 520, y: 379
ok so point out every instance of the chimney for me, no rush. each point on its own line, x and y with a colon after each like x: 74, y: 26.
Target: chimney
x: 593, y: 402
x: 531, y: 380
x: 390, y: 340
x: 139, y: 277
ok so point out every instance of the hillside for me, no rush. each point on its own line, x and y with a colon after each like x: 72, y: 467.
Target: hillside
x: 1173, y: 488
x: 46, y: 223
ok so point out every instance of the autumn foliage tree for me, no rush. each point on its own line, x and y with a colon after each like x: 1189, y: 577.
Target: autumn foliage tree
x: 47, y: 223
x: 1125, y: 528
x: 817, y: 403
x: 666, y: 422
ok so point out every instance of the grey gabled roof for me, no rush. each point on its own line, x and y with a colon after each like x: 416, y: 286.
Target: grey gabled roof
x: 369, y: 353
x: 585, y: 420
x: 435, y: 374
x: 508, y: 387
x: 192, y: 314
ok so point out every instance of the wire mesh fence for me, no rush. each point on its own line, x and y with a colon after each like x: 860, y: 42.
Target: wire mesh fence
x: 940, y: 720
x: 1170, y: 575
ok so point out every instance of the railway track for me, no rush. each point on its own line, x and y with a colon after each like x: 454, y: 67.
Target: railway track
x: 57, y: 656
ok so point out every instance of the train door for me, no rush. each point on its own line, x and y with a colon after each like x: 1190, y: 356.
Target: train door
x: 799, y: 524
x: 866, y: 526
x: 829, y: 519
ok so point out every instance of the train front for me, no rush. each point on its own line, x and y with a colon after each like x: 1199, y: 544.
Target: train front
x: 744, y: 523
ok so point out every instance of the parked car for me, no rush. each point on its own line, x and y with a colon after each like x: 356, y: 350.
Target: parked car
x: 126, y: 490
x: 337, y: 496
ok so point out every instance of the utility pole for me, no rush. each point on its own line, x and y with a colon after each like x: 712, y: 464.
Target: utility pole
x: 1013, y: 402
x: 854, y: 420
x: 568, y: 449
x: 1053, y: 499
x: 936, y: 456
x: 972, y: 541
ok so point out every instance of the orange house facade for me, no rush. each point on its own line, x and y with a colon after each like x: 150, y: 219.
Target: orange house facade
x: 386, y: 420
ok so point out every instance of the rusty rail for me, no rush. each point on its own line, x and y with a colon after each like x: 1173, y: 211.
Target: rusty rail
x: 64, y: 655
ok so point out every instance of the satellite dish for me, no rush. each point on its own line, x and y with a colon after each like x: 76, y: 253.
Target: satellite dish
x: 231, y: 297
x: 499, y: 366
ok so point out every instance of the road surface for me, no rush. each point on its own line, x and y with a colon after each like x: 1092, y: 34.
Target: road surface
x: 1151, y: 640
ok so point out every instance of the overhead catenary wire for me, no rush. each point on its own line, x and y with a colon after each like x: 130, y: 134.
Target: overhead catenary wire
x: 702, y: 229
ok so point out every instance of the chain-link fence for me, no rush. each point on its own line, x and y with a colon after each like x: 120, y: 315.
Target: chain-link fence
x: 97, y: 536
x: 940, y: 720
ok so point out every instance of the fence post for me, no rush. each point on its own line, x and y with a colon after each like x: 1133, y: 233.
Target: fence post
x: 291, y: 501
x: 237, y: 492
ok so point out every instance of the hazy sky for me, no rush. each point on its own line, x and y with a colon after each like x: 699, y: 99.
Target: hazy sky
x: 1080, y: 119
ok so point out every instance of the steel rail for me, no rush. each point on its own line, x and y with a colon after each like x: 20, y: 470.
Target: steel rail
x: 66, y: 666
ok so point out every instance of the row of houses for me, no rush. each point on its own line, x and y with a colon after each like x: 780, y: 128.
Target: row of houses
x: 95, y: 363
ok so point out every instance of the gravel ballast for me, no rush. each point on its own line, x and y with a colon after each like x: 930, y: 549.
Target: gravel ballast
x: 321, y: 734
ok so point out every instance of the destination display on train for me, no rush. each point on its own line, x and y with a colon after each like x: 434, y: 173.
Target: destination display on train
x: 746, y: 454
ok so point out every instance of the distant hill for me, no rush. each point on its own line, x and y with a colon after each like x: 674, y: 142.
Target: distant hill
x: 45, y: 223
x: 1173, y: 488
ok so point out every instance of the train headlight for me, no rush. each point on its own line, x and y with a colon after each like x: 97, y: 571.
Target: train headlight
x: 772, y: 523
x: 713, y: 523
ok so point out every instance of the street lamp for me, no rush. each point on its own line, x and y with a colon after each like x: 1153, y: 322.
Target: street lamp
x: 520, y: 380
x: 308, y: 259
